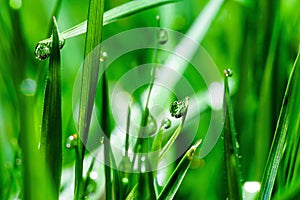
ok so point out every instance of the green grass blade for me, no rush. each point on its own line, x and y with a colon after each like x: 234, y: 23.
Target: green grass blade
x: 265, y: 111
x: 114, y: 14
x: 55, y: 13
x: 89, y: 83
x: 231, y: 146
x: 283, y: 126
x: 176, y: 133
x: 51, y: 137
x: 175, y: 180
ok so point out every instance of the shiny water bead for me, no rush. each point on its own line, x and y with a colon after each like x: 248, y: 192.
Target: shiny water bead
x: 228, y: 72
x: 163, y: 36
x: 166, y: 123
x: 71, y: 141
x: 179, y: 108
x: 151, y: 125
x: 43, y: 49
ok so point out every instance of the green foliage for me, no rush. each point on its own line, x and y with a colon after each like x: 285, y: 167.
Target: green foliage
x: 51, y: 135
x: 257, y: 39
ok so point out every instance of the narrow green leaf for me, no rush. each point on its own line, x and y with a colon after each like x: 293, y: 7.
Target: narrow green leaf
x: 176, y: 133
x: 231, y: 146
x: 283, y: 127
x: 51, y: 137
x: 114, y: 14
x: 89, y: 83
x: 132, y: 193
x: 175, y: 180
x: 263, y: 129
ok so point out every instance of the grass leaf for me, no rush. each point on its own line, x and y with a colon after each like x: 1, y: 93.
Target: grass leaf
x: 51, y: 137
x: 231, y: 146
x: 288, y: 109
x: 89, y: 83
x: 175, y: 180
x: 114, y: 14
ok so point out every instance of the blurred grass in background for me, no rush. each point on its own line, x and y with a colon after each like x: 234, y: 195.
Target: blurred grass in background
x: 258, y: 40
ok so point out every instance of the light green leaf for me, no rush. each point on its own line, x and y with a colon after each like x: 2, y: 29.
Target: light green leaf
x: 284, y: 126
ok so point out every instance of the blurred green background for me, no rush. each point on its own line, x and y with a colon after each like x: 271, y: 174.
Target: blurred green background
x: 258, y: 40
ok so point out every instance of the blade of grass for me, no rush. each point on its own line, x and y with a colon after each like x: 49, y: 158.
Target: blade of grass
x: 282, y: 128
x: 176, y: 133
x: 114, y: 14
x: 265, y: 107
x: 175, y: 180
x: 51, y: 135
x: 89, y: 83
x: 231, y: 146
x: 55, y: 13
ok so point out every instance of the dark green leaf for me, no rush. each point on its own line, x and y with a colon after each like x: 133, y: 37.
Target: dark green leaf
x: 231, y: 146
x: 51, y: 137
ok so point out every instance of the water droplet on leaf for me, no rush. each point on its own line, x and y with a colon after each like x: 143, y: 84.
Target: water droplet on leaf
x: 163, y: 36
x: 43, y: 49
x: 151, y: 125
x: 71, y: 141
x: 228, y: 72
x: 166, y: 123
x: 179, y: 108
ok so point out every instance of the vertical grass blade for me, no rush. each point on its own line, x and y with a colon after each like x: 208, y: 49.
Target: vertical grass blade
x: 284, y: 124
x: 51, y: 137
x: 232, y: 162
x: 175, y: 180
x: 89, y: 83
x: 265, y: 105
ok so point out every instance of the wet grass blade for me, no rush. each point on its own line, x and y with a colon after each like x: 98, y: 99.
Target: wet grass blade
x: 232, y: 162
x: 284, y: 124
x: 114, y: 14
x: 174, y: 136
x: 89, y: 83
x: 175, y: 180
x: 51, y: 137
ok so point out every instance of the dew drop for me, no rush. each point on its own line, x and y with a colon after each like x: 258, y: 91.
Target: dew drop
x: 179, y: 108
x: 71, y: 141
x: 228, y: 72
x: 151, y: 125
x: 43, y: 49
x: 163, y: 36
x: 166, y: 123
